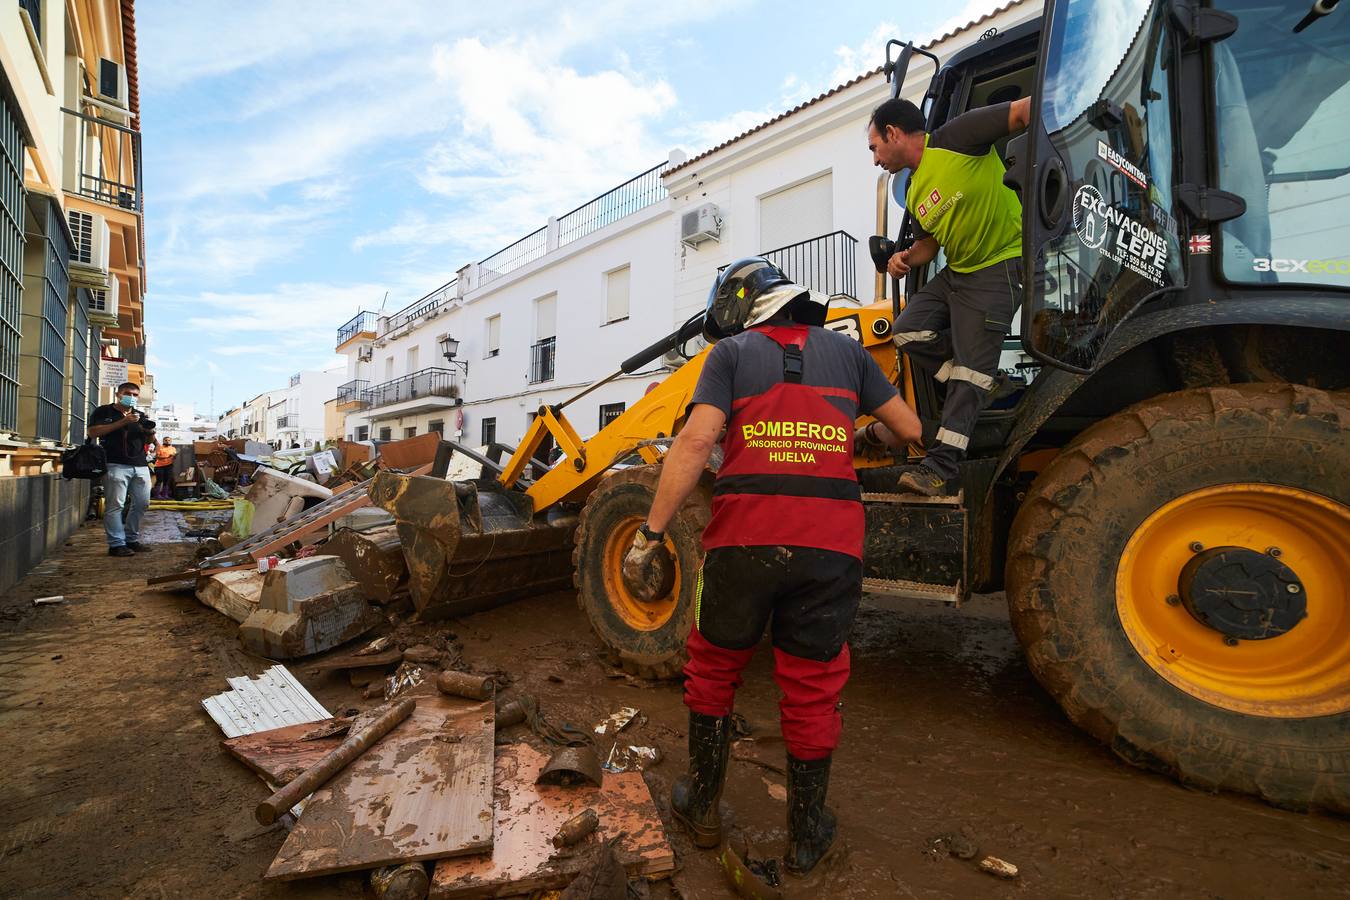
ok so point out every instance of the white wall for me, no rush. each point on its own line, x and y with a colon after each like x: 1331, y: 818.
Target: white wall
x: 588, y: 348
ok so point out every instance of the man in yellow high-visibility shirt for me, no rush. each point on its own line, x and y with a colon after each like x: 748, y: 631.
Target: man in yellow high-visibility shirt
x: 953, y: 328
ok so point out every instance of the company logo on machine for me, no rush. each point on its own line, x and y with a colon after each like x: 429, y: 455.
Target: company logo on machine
x: 1114, y: 158
x: 1091, y: 226
x: 1126, y: 242
x: 1306, y: 266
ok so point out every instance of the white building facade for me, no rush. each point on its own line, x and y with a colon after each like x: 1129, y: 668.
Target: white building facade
x: 560, y: 309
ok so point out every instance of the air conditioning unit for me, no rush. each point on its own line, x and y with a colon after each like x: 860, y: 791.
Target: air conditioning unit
x: 112, y: 83
x: 89, y: 256
x: 365, y: 354
x: 701, y: 224
x: 103, y: 303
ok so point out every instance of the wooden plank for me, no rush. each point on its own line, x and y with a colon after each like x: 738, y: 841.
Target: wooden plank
x: 527, y: 817
x: 276, y: 754
x: 423, y: 792
x: 356, y: 660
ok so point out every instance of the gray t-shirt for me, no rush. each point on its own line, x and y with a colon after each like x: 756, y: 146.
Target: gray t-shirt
x: 750, y: 363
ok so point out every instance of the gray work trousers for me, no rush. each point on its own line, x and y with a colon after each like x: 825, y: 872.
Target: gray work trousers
x: 953, y: 330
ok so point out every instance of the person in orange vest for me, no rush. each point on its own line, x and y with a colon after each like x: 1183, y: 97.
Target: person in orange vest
x: 164, y: 456
x: 783, y: 548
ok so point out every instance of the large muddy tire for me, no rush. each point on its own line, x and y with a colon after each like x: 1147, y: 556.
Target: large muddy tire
x: 1115, y: 633
x: 646, y: 639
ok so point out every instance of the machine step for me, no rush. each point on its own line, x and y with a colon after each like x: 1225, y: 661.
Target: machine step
x: 914, y: 590
x: 953, y: 500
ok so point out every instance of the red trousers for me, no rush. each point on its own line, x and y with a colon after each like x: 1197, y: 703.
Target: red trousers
x: 809, y: 710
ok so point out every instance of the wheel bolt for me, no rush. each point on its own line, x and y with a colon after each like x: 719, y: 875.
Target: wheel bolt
x: 1196, y: 546
x: 1173, y: 600
x: 1291, y: 588
x: 1230, y: 641
x: 1275, y: 552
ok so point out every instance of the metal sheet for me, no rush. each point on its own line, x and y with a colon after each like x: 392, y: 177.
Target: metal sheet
x: 273, y: 700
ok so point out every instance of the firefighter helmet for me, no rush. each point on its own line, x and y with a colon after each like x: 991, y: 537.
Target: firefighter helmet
x: 751, y: 291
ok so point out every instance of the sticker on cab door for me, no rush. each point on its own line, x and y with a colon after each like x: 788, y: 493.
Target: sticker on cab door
x: 1125, y: 241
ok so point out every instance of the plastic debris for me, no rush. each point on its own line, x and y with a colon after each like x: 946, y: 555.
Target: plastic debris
x: 631, y: 758
x: 404, y: 677
x: 617, y: 721
x: 48, y: 601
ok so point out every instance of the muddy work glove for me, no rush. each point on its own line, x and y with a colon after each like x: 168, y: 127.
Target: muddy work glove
x: 648, y: 568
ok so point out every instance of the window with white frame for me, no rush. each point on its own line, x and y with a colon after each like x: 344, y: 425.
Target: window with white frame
x: 616, y: 294
x: 493, y: 338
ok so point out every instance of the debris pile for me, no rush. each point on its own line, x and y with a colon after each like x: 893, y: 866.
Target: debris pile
x: 438, y: 786
x: 420, y: 783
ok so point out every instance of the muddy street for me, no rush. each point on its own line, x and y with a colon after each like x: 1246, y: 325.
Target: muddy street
x: 116, y: 786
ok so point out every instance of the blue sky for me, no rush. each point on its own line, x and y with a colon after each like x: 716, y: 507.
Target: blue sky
x: 303, y: 159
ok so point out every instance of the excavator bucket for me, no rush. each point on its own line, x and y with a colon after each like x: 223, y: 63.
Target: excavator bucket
x: 470, y: 545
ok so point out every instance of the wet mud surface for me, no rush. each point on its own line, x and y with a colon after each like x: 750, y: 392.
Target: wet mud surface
x: 115, y: 784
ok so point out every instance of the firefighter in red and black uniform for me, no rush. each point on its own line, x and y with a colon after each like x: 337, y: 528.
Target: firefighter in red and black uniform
x: 784, y: 544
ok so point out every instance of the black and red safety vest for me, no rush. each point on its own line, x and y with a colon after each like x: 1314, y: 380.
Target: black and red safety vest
x: 787, y: 475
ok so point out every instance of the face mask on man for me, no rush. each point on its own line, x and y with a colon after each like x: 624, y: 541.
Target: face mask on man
x: 127, y: 399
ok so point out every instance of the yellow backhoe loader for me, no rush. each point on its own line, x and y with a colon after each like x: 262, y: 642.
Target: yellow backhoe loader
x: 1166, y: 500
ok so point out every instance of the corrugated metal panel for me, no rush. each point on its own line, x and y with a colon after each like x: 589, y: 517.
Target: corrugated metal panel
x: 273, y: 700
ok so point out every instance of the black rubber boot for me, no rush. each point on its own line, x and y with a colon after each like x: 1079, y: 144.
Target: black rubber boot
x: 694, y: 797
x: 811, y: 824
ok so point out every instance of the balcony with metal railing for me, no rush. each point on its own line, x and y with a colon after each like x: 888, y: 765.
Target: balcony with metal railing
x: 352, y: 395
x: 107, y: 161
x: 634, y: 194
x: 420, y: 391
x: 362, y: 324
x: 828, y: 264
x: 508, y: 259
x: 421, y: 308
x: 290, y: 421
x: 543, y: 355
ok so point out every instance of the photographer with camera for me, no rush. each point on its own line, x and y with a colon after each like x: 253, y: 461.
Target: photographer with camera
x: 124, y: 431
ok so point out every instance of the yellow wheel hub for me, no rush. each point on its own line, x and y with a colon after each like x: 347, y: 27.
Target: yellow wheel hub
x: 637, y: 614
x: 1303, y: 672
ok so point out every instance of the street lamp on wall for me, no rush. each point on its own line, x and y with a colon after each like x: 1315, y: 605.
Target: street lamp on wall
x: 449, y: 348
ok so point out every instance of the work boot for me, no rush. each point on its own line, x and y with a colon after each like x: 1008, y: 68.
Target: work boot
x: 138, y: 547
x: 920, y: 480
x: 694, y: 797
x: 811, y: 824
x: 121, y: 551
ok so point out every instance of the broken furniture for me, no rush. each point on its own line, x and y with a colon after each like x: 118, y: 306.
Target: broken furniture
x: 277, y: 496
x: 307, y: 606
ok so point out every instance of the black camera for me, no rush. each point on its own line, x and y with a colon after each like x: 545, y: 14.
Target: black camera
x: 881, y: 249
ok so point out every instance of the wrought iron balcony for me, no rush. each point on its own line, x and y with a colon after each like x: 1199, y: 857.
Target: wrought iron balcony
x: 421, y: 307
x: 353, y: 392
x: 543, y: 354
x: 108, y: 160
x: 290, y: 420
x: 361, y: 322
x: 421, y: 384
x: 828, y: 264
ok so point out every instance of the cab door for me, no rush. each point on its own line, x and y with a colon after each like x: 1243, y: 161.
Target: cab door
x: 1099, y: 226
